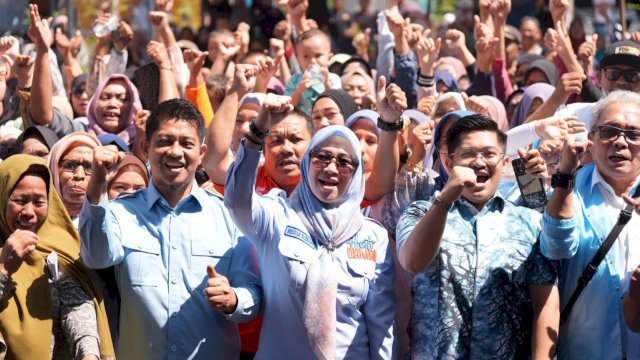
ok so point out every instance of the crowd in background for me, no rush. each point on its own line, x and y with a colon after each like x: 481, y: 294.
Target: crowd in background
x: 299, y: 181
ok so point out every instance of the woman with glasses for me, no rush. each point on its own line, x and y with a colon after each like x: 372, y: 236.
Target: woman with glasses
x: 326, y: 270
x: 70, y: 163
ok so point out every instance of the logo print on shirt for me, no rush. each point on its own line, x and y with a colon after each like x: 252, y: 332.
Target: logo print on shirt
x: 361, y: 249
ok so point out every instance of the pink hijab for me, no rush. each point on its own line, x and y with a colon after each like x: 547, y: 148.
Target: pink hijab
x: 497, y: 111
x: 129, y: 132
x: 58, y: 150
x: 457, y: 65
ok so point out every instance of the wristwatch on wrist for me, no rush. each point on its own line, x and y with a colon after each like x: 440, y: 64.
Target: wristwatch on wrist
x: 562, y: 180
x: 397, y: 126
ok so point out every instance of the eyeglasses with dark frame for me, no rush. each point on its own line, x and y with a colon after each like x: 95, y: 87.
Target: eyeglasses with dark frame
x: 345, y: 164
x: 611, y: 133
x: 613, y: 74
x: 490, y: 156
x: 72, y: 165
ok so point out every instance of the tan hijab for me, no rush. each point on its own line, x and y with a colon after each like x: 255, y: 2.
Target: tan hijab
x: 25, y: 322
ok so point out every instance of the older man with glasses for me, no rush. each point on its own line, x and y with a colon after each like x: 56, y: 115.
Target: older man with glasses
x: 582, y: 211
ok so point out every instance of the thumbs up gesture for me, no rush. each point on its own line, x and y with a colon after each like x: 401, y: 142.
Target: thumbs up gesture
x: 219, y: 293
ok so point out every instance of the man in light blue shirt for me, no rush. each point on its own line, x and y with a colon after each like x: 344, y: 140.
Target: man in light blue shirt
x: 578, y: 219
x: 169, y: 244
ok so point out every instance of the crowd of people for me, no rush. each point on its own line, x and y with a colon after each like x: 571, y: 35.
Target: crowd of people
x: 384, y: 187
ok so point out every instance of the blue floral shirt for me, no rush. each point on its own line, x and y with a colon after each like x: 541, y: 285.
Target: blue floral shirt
x: 473, y: 300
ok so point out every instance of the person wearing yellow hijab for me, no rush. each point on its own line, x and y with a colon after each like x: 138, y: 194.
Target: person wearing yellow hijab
x: 41, y: 272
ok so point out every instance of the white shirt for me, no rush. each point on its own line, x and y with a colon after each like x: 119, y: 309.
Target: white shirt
x: 626, y: 249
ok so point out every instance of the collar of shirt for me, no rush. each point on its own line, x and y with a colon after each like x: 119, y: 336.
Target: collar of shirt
x: 196, y: 193
x: 496, y: 202
x: 607, y: 190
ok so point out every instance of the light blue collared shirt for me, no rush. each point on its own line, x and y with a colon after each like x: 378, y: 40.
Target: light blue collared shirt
x: 596, y: 328
x: 366, y: 304
x: 160, y: 255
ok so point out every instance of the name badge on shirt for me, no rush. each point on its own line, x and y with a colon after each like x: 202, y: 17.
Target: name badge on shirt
x: 361, y: 249
x: 300, y: 235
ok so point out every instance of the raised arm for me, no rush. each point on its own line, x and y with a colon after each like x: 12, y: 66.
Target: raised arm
x: 240, y: 197
x: 41, y: 106
x: 558, y: 238
x: 297, y: 11
x: 218, y: 138
x: 392, y: 102
x: 168, y: 87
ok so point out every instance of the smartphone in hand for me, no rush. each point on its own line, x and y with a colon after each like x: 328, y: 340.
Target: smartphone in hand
x: 531, y: 188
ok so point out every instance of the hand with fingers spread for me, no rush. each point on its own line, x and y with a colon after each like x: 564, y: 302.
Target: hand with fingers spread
x: 242, y: 79
x: 558, y: 127
x: 275, y: 108
x: 16, y: 249
x: 219, y: 293
x: 535, y: 166
x: 39, y: 31
x: 23, y: 69
x: 427, y: 51
x: 391, y: 100
x: 572, y: 151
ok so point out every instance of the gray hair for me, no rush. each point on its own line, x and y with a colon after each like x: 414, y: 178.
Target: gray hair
x: 615, y: 97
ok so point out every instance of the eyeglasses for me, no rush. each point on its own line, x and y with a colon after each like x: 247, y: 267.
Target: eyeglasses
x: 489, y: 155
x: 322, y: 159
x: 608, y: 132
x: 613, y: 74
x: 72, y: 165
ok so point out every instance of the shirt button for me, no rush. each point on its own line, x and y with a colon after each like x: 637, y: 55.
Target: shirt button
x: 174, y: 348
x: 210, y: 251
x: 173, y: 281
x: 296, y: 253
x: 174, y: 246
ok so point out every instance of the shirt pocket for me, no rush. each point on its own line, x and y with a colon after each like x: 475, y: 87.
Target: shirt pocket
x: 299, y: 256
x: 361, y: 272
x: 205, y: 253
x: 142, y: 259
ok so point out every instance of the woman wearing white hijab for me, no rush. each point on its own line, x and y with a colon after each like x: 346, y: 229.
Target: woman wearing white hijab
x: 327, y: 272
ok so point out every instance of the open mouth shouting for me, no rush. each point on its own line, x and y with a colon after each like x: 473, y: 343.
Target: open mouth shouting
x: 174, y: 166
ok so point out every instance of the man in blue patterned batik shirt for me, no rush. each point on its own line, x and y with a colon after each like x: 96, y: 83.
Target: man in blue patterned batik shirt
x: 474, y: 256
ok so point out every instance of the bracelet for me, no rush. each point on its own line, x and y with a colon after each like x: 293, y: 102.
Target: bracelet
x: 255, y: 131
x: 441, y: 204
x: 398, y: 125
x: 165, y: 68
x: 258, y: 143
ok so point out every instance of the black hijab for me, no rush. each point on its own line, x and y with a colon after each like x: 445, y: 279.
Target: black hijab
x: 345, y: 102
x: 44, y: 132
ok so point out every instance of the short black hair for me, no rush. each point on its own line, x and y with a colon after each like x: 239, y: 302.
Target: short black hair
x: 175, y: 109
x: 472, y: 123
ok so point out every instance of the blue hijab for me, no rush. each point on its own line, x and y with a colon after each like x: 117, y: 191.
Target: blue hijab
x: 433, y: 148
x: 335, y: 222
x: 366, y: 114
x: 447, y: 79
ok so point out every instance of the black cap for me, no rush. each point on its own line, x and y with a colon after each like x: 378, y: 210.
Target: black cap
x: 622, y: 53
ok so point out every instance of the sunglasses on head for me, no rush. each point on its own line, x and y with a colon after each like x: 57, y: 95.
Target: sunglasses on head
x: 613, y: 74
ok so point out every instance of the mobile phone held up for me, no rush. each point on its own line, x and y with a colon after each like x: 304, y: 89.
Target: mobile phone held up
x: 531, y: 188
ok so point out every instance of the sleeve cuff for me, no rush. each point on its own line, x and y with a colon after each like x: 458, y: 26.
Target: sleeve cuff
x: 557, y: 239
x: 245, y: 306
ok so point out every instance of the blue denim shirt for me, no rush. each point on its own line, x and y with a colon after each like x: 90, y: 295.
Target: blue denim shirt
x: 596, y: 328
x: 472, y: 301
x: 160, y: 256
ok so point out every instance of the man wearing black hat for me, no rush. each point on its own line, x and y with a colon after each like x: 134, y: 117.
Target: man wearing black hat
x: 619, y: 70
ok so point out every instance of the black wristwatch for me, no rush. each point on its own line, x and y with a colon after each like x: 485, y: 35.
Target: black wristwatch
x: 561, y: 180
x: 397, y: 126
